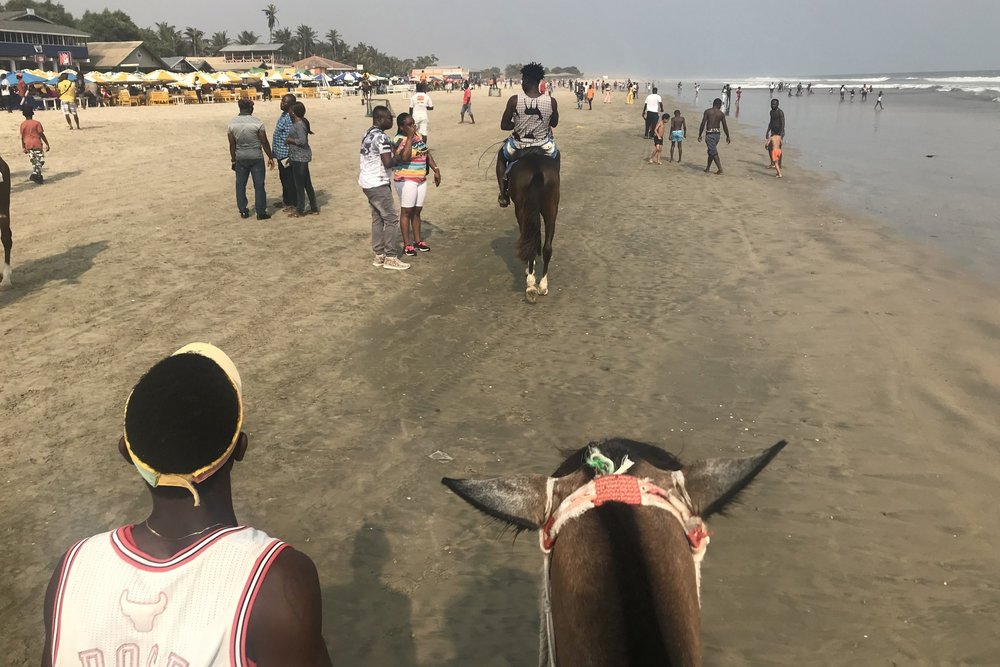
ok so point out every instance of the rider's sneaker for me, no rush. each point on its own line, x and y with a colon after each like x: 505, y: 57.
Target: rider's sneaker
x: 423, y: 247
x: 395, y: 263
x: 378, y: 260
x: 409, y: 251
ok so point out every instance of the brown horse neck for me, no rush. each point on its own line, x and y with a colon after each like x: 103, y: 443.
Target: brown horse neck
x: 624, y: 591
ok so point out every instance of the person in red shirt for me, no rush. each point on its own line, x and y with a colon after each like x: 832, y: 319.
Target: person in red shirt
x: 467, y: 103
x: 22, y: 87
x: 32, y: 138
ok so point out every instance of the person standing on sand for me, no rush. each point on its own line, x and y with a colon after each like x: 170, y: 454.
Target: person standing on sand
x: 775, y: 126
x: 651, y: 110
x: 413, y: 162
x: 678, y: 129
x: 590, y: 97
x: 658, y: 140
x: 376, y: 162
x: 246, y: 140
x: 300, y: 155
x: 607, y: 93
x: 280, y: 149
x: 773, y: 146
x: 67, y: 99
x: 878, y: 102
x: 467, y: 103
x: 420, y: 104
x: 713, y: 121
x: 32, y: 137
x: 189, y: 584
x: 5, y: 93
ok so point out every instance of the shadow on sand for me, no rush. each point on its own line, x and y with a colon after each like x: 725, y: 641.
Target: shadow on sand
x: 495, y: 623
x: 67, y: 266
x: 504, y: 248
x: 24, y: 185
x: 367, y: 622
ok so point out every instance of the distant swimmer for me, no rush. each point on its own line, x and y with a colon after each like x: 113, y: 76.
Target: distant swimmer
x: 678, y: 129
x: 774, y: 148
x: 739, y: 94
x: 809, y: 89
x: 679, y: 88
x: 843, y: 89
x: 713, y: 122
x: 864, y: 93
x: 852, y: 95
x: 878, y: 102
x: 770, y: 89
x: 776, y: 126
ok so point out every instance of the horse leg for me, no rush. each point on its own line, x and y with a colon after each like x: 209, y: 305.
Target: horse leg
x: 8, y: 243
x: 5, y: 235
x: 550, y: 209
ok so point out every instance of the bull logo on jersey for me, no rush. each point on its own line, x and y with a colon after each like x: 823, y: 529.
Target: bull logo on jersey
x: 143, y: 614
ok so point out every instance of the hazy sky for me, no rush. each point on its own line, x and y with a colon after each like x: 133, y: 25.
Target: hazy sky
x: 670, y: 38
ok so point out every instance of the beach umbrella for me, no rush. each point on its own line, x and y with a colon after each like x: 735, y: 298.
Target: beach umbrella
x: 160, y: 75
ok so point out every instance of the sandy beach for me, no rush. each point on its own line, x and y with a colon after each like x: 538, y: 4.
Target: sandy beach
x: 712, y: 315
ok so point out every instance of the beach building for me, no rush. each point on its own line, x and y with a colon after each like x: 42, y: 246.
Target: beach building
x: 187, y: 64
x: 439, y: 73
x: 130, y: 56
x: 319, y: 65
x: 252, y: 53
x: 28, y: 40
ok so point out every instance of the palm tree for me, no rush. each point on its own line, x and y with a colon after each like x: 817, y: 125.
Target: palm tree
x: 247, y: 37
x: 194, y: 37
x: 219, y: 41
x: 169, y: 37
x: 307, y: 37
x: 271, y: 13
x: 333, y: 38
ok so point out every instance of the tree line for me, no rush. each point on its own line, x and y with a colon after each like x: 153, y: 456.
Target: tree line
x: 165, y: 39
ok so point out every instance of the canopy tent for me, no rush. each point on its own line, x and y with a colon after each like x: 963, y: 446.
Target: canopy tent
x: 345, y: 77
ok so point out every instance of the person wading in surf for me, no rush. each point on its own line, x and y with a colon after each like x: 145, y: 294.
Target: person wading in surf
x: 531, y: 115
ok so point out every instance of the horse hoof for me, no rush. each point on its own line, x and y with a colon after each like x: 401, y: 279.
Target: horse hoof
x: 531, y: 294
x: 543, y: 292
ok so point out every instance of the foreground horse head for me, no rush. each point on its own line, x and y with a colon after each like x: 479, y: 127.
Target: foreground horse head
x: 621, y: 524
x: 534, y: 189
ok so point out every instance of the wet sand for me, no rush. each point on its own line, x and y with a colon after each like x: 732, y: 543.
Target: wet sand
x: 713, y: 315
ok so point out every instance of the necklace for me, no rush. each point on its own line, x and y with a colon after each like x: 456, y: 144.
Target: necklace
x: 182, y: 537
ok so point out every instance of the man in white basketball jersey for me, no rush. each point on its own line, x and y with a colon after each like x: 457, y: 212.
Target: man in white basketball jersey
x: 189, y: 586
x: 420, y: 104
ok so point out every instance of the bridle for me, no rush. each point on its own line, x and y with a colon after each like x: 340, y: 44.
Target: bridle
x: 612, y: 487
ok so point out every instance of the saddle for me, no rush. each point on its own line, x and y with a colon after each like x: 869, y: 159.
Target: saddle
x: 522, y: 153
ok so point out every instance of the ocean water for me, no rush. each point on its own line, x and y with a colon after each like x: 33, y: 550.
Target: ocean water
x: 926, y: 164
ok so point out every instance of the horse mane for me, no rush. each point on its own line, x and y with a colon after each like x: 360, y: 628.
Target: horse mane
x: 617, y: 449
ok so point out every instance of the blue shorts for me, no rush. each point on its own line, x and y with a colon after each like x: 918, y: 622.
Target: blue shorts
x: 677, y: 136
x: 510, y: 146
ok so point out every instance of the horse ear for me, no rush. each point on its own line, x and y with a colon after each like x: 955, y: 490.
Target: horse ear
x: 713, y: 483
x: 519, y: 500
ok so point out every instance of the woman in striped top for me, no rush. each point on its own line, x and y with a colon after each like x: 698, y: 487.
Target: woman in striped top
x: 413, y: 162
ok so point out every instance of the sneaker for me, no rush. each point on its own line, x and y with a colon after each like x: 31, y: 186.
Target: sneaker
x: 394, y: 263
x: 378, y: 260
x: 244, y: 214
x: 423, y: 247
x: 265, y: 216
x: 409, y: 251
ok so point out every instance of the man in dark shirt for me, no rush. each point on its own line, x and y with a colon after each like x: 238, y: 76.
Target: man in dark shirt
x: 775, y: 126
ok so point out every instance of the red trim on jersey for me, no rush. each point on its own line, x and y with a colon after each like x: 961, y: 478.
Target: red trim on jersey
x: 124, y: 545
x: 241, y: 622
x: 67, y: 563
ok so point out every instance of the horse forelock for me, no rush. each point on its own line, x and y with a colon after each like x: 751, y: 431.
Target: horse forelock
x: 617, y: 449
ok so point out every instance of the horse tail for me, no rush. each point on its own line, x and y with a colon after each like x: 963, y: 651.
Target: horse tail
x: 529, y: 245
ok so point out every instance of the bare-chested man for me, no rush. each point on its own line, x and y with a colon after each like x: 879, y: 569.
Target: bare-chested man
x: 678, y: 130
x: 713, y: 122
